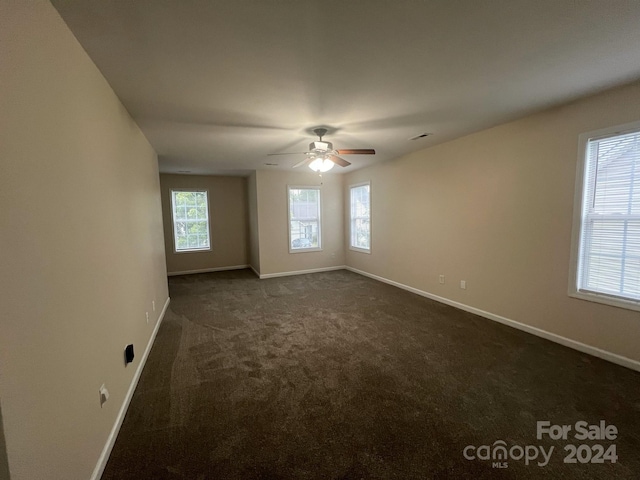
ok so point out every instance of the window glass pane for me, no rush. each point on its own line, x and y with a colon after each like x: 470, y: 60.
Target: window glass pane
x: 180, y: 198
x: 631, y: 286
x: 362, y: 233
x: 181, y: 228
x: 304, y: 218
x: 609, y: 257
x: 304, y: 234
x: 191, y: 199
x: 360, y: 236
x: 617, y: 165
x: 180, y: 213
x: 191, y: 220
x: 197, y: 227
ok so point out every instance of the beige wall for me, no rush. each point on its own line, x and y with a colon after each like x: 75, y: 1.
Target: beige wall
x: 254, y: 238
x: 4, y: 462
x: 495, y: 209
x: 228, y: 217
x: 273, y: 219
x: 81, y: 247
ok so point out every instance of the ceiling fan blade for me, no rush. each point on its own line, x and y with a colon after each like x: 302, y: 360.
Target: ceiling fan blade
x: 286, y: 153
x: 339, y: 161
x: 356, y: 151
x: 303, y: 162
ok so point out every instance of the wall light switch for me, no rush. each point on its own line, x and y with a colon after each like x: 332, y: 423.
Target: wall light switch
x: 104, y: 395
x: 441, y: 279
x: 463, y: 284
x: 147, y: 313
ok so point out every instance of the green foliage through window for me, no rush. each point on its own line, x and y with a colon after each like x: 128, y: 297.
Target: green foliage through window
x: 190, y: 211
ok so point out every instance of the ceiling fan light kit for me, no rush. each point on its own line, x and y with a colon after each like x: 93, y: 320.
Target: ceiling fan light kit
x: 321, y: 165
x: 321, y: 156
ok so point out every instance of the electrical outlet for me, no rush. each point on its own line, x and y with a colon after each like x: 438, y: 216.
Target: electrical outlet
x: 463, y: 284
x: 153, y: 304
x: 441, y: 279
x: 147, y: 313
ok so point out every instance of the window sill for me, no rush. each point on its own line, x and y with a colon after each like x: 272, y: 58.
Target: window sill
x: 304, y: 250
x: 361, y: 250
x: 606, y: 300
x: 199, y: 250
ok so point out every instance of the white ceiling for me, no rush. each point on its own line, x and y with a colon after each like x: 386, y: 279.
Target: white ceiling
x: 216, y: 85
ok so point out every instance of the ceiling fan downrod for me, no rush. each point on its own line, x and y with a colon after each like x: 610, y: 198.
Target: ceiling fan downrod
x: 320, y: 132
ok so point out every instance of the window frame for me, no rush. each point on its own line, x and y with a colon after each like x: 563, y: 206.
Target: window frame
x: 578, y: 214
x: 351, y: 219
x: 289, y: 241
x: 173, y: 219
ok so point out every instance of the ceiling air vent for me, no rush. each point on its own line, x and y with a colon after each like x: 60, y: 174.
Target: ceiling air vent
x: 422, y: 135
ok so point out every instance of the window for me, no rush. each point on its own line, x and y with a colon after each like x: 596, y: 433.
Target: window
x: 190, y: 214
x: 304, y: 219
x: 361, y: 217
x: 607, y: 254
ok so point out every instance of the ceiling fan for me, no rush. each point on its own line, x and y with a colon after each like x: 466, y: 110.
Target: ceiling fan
x: 321, y: 156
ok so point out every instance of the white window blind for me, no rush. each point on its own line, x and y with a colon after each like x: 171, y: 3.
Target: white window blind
x: 609, y: 258
x: 361, y: 217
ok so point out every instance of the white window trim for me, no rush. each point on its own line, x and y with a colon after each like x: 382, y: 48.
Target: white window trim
x: 304, y: 250
x: 173, y: 227
x: 583, y: 140
x: 351, y: 247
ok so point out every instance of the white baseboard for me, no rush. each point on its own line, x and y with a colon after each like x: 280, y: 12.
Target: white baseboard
x: 207, y: 270
x: 301, y: 272
x: 567, y: 342
x: 111, y: 440
x: 255, y: 271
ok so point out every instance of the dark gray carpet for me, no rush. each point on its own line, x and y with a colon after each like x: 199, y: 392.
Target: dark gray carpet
x: 337, y: 376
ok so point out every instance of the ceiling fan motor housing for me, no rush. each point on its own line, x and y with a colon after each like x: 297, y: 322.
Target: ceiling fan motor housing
x: 320, y: 146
